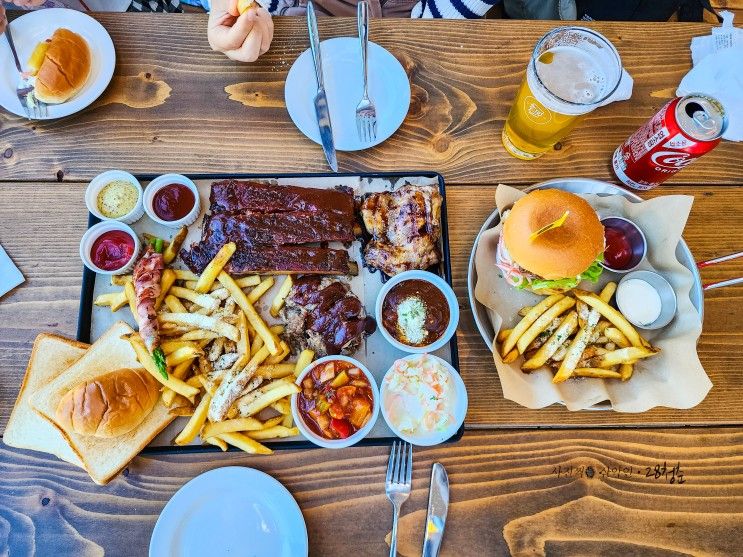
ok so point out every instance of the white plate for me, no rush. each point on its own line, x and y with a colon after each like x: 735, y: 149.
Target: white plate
x: 230, y: 511
x: 389, y: 90
x: 35, y: 27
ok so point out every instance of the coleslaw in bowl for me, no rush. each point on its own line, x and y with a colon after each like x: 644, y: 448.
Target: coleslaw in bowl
x: 424, y: 400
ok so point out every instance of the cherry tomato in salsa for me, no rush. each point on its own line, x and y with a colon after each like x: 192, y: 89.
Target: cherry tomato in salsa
x: 336, y: 399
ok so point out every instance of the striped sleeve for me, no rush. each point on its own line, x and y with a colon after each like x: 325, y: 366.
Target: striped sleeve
x: 452, y: 9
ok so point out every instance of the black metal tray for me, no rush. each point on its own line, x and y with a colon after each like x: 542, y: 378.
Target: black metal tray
x: 84, y: 318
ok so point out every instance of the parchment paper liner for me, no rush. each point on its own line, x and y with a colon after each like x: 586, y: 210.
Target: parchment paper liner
x: 675, y: 378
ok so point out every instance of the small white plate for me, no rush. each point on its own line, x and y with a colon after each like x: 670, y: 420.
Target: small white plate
x: 37, y: 26
x: 230, y: 511
x: 389, y: 90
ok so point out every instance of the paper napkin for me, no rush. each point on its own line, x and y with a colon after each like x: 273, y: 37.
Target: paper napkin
x: 10, y: 276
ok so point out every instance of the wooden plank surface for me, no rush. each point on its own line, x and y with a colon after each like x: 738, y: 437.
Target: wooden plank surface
x: 42, y: 224
x: 176, y: 106
x: 534, y: 493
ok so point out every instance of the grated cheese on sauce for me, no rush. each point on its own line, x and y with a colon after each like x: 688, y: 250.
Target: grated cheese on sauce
x: 411, y: 319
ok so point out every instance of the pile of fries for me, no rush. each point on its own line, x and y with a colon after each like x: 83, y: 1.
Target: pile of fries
x: 227, y: 368
x: 575, y: 336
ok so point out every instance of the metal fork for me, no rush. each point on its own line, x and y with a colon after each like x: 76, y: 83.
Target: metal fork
x: 34, y: 109
x: 398, y: 483
x: 366, y: 114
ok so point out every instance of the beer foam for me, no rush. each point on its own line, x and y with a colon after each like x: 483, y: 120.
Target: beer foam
x: 571, y: 74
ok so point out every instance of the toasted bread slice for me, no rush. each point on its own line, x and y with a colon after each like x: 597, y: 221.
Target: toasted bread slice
x: 102, y: 458
x: 50, y: 357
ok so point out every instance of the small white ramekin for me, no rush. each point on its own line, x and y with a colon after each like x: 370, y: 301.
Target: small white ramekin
x: 352, y: 439
x: 446, y: 290
x: 164, y: 180
x: 92, y: 234
x: 96, y: 185
x: 460, y: 409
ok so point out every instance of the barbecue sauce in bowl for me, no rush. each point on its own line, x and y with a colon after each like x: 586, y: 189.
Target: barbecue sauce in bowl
x: 173, y: 202
x: 415, y: 312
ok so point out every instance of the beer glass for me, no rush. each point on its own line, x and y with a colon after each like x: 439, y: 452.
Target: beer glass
x: 572, y: 71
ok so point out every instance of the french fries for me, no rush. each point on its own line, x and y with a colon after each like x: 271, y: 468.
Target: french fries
x: 174, y: 246
x: 201, y: 322
x: 527, y: 322
x: 145, y: 358
x: 305, y: 358
x: 591, y: 340
x: 114, y: 300
x: 264, y: 286
x: 166, y: 282
x: 278, y: 301
x: 542, y: 322
x: 203, y: 300
x: 219, y: 353
x: 214, y: 268
x: 548, y: 349
x: 255, y: 320
x: 245, y: 443
x: 194, y: 424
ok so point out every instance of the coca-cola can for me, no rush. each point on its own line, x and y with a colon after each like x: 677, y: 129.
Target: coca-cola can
x: 682, y: 131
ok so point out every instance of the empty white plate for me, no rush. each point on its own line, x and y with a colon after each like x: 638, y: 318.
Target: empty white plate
x: 389, y: 90
x: 231, y: 511
x: 34, y: 27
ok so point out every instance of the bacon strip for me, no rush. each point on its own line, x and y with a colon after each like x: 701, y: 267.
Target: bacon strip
x: 147, y: 275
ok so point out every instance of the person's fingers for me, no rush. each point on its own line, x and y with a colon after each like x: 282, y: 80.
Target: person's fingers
x: 251, y: 48
x: 265, y: 19
x: 242, y: 27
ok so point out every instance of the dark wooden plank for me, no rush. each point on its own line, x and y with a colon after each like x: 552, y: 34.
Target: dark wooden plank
x: 42, y: 225
x: 176, y: 106
x: 527, y: 493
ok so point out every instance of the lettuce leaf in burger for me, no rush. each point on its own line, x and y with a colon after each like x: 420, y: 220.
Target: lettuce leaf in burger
x: 558, y: 259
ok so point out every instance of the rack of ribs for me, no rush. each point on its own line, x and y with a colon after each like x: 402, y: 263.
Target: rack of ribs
x: 271, y: 226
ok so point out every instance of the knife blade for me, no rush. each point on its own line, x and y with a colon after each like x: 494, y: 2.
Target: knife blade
x: 438, y: 505
x: 321, y: 100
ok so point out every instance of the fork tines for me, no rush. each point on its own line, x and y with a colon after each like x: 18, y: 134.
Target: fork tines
x: 400, y: 466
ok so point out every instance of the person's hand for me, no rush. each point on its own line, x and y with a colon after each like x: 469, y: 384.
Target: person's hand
x: 27, y: 3
x: 242, y: 38
x: 3, y: 20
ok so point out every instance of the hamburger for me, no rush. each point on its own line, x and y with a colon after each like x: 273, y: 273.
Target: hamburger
x: 61, y: 66
x: 546, y: 259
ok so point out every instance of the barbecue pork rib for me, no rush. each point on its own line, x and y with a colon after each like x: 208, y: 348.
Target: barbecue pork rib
x: 271, y: 226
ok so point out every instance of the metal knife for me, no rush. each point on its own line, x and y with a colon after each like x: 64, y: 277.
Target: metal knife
x: 438, y: 504
x: 321, y: 101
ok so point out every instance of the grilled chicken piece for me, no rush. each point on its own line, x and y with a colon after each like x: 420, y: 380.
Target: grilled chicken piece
x: 147, y: 274
x: 405, y: 228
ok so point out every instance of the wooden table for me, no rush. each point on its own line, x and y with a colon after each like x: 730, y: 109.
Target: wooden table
x: 559, y: 485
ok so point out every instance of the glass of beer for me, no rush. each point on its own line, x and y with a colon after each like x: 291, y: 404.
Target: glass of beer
x: 572, y: 71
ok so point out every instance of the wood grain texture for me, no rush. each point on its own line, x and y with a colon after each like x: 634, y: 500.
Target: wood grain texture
x: 42, y: 224
x: 522, y: 492
x: 176, y: 106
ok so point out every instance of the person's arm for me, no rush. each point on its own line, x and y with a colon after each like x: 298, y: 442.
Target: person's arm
x: 242, y: 38
x: 452, y: 9
x: 3, y: 21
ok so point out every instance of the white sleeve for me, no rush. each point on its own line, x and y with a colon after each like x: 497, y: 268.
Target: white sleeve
x: 452, y: 9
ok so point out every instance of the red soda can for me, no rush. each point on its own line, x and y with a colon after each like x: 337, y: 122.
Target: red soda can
x: 682, y: 131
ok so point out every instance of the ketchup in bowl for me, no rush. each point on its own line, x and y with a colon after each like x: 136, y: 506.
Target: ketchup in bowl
x: 112, y: 250
x: 173, y: 202
x: 618, y: 252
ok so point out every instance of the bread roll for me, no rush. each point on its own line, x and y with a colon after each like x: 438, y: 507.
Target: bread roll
x: 65, y: 68
x: 109, y: 405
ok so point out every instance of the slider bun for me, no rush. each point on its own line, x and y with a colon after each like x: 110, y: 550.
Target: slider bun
x: 65, y: 68
x: 560, y: 253
x: 109, y: 405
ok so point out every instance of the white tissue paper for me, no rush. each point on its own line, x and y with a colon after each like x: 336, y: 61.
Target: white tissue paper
x: 718, y: 72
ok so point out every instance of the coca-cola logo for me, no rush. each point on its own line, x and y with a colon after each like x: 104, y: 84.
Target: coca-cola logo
x: 671, y: 159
